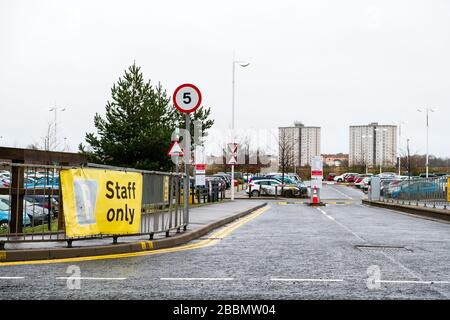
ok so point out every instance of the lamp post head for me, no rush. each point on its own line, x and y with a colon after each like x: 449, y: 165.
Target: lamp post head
x: 242, y: 63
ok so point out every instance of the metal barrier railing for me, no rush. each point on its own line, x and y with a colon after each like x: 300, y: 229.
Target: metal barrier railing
x: 34, y: 192
x: 428, y: 192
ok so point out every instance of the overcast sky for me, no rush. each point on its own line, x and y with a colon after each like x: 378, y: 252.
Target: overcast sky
x: 326, y: 63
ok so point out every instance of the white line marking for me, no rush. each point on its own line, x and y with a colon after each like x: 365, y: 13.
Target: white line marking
x: 11, y: 278
x: 88, y: 278
x: 307, y: 280
x: 413, y: 281
x: 197, y: 279
x: 342, y: 225
x: 339, y: 191
x: 328, y: 216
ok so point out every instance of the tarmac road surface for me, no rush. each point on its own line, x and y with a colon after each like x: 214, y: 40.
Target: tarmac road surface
x: 285, y: 251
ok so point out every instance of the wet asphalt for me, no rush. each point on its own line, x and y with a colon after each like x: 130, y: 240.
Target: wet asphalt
x: 291, y: 251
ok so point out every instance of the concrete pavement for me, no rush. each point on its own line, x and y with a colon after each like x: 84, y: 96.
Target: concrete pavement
x: 290, y: 251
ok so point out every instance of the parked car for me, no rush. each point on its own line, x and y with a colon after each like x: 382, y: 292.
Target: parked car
x: 43, y: 201
x: 5, y: 215
x: 269, y: 187
x: 350, y: 177
x: 294, y: 177
x: 342, y: 177
x: 365, y: 183
x: 35, y: 213
x: 359, y: 180
x: 225, y: 177
x: 45, y: 182
x: 415, y: 189
x: 4, y: 183
x: 221, y: 182
x: 330, y: 176
x: 247, y: 177
x: 286, y: 179
x: 430, y: 175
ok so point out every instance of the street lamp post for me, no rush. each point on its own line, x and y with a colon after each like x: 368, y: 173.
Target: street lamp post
x: 56, y: 109
x: 399, y: 135
x: 427, y: 110
x: 242, y: 64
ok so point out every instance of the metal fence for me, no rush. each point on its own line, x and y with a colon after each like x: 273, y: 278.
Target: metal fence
x: 31, y: 206
x: 427, y: 192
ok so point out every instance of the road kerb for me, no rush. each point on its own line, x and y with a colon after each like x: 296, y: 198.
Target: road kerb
x: 61, y: 253
x: 421, y: 212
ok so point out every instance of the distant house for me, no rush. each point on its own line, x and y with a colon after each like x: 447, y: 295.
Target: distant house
x: 335, y: 160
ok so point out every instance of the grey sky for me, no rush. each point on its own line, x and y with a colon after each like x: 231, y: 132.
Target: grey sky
x: 326, y: 63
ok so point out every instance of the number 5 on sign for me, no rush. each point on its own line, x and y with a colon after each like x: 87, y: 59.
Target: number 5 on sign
x: 187, y: 98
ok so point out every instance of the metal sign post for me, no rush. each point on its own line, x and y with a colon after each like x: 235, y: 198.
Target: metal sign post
x: 232, y: 147
x: 187, y: 183
x: 316, y: 179
x: 186, y: 99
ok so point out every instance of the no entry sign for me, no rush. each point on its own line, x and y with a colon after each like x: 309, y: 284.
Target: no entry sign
x: 187, y: 98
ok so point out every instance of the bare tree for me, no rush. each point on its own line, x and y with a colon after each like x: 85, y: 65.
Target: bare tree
x: 286, y: 152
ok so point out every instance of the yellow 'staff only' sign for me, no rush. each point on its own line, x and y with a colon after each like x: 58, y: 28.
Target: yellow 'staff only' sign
x: 101, y: 202
x: 448, y: 189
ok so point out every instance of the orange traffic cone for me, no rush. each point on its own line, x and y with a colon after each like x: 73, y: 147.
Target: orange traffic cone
x: 315, y: 197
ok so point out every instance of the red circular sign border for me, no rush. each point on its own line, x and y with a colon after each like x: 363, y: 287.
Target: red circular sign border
x: 181, y: 87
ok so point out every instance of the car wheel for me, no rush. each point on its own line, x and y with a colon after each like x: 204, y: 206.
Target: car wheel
x: 255, y: 193
x: 339, y: 180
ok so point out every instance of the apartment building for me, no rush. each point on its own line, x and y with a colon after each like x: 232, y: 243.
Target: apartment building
x: 373, y: 145
x: 304, y: 142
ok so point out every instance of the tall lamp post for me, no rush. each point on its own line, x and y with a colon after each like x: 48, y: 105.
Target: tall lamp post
x: 242, y: 64
x: 427, y: 110
x: 399, y: 137
x: 55, y: 110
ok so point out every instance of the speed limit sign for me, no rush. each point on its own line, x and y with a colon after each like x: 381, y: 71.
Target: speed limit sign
x: 187, y: 98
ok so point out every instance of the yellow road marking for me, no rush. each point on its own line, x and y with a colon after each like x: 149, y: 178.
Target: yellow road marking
x: 213, y: 239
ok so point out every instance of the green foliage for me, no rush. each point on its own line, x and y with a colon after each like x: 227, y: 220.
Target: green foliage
x: 137, y: 126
